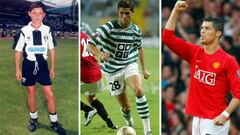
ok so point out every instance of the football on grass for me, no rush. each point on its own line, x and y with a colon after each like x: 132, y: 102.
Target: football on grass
x: 126, y: 130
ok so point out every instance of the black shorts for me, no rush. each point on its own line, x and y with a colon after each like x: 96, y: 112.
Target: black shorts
x: 33, y: 72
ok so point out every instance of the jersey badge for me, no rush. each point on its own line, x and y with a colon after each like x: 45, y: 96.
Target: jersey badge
x: 28, y: 38
x: 45, y: 38
x: 216, y: 65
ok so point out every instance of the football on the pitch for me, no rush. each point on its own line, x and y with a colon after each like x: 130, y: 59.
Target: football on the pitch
x: 126, y: 130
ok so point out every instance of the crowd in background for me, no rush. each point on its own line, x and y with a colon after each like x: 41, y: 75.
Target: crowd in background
x: 61, y: 24
x: 176, y: 72
x: 146, y: 14
x: 110, y: 9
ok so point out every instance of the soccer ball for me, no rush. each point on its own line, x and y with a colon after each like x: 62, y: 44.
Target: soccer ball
x: 126, y: 130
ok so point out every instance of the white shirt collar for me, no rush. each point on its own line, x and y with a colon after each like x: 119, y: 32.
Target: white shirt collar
x: 32, y: 28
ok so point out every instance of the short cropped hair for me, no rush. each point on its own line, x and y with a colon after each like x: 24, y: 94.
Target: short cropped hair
x: 217, y: 22
x: 126, y: 4
x: 37, y: 5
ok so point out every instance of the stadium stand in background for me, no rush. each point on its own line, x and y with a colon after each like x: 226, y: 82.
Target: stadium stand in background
x: 176, y: 73
x: 146, y: 16
x: 62, y: 19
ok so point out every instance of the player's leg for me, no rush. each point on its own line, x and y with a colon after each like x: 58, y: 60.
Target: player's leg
x: 29, y: 80
x: 31, y: 92
x: 135, y: 83
x: 89, y: 113
x: 84, y: 107
x: 125, y: 108
x: 196, y: 126
x: 43, y: 77
x: 47, y: 91
x: 101, y: 110
x: 90, y: 91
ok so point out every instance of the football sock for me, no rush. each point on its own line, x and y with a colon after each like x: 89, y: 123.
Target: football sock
x: 142, y: 108
x: 33, y: 115
x: 85, y: 107
x: 101, y: 110
x: 126, y: 115
x: 53, y: 117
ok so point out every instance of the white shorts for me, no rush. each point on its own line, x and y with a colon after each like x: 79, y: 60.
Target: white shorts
x: 116, y: 81
x: 92, y: 88
x: 201, y: 126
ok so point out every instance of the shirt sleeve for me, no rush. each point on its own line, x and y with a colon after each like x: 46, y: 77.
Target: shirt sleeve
x: 19, y: 42
x: 233, y: 75
x: 182, y: 48
x: 139, y: 39
x: 101, y: 34
x: 52, y: 42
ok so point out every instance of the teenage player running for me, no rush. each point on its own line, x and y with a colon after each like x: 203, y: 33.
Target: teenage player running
x: 33, y: 42
x: 214, y: 73
x: 91, y: 83
x: 120, y: 44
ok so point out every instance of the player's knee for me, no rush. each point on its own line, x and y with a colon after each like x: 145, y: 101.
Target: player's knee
x: 91, y: 98
x: 31, y: 93
x: 49, y: 96
x: 139, y: 91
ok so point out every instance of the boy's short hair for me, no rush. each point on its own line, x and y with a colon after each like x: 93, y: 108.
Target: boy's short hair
x: 126, y: 4
x: 37, y: 5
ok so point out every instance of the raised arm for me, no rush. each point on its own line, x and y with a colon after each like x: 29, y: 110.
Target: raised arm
x: 178, y: 8
x: 182, y: 48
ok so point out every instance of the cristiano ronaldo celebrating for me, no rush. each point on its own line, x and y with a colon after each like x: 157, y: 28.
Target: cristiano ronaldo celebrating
x: 214, y: 73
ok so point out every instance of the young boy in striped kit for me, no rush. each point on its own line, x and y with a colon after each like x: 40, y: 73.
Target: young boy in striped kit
x: 118, y: 44
x: 33, y: 42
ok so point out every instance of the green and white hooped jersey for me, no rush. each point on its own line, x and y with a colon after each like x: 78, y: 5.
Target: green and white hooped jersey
x: 121, y: 43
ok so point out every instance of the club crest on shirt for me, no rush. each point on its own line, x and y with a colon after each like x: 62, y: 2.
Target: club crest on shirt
x: 45, y: 38
x: 216, y: 65
x: 28, y: 38
x: 238, y: 73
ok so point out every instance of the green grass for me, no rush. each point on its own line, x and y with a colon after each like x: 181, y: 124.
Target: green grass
x: 151, y: 87
x: 14, y: 114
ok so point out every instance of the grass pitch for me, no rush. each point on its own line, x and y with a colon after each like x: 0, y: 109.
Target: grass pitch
x: 14, y: 115
x: 151, y: 87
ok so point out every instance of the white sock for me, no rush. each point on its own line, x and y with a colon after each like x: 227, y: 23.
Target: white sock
x: 53, y: 117
x: 142, y: 108
x: 146, y: 125
x: 33, y: 115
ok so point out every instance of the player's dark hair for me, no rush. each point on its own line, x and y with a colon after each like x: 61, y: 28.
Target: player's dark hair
x: 126, y: 4
x: 37, y: 5
x: 217, y: 22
